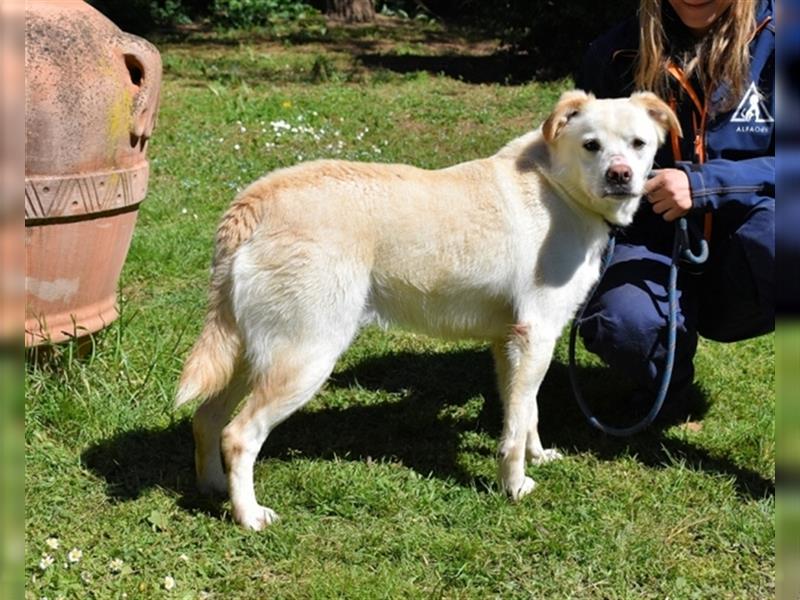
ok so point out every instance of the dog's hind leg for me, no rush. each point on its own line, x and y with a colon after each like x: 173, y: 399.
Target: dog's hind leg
x: 522, y: 363
x: 298, y: 302
x: 296, y: 373
x: 207, y: 424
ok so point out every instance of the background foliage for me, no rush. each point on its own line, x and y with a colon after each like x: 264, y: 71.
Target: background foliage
x: 545, y: 32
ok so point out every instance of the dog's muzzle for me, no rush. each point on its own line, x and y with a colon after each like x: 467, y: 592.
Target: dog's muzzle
x: 618, y: 181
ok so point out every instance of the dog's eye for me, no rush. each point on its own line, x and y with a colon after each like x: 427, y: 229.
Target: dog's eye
x: 591, y: 145
x: 638, y: 143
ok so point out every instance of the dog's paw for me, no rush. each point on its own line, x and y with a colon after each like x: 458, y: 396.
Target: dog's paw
x: 517, y: 491
x: 256, y: 519
x: 543, y: 456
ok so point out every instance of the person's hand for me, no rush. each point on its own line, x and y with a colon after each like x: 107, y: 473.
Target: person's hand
x: 669, y: 193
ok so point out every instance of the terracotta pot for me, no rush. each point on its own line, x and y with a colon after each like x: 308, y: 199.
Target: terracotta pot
x: 91, y: 95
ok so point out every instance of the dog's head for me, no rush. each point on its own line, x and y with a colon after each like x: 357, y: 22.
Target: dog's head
x: 603, y: 150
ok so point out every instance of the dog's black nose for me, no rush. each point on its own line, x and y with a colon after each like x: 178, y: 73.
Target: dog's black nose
x: 619, y: 174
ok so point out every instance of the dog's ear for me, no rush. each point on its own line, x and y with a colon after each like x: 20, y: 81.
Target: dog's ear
x: 659, y: 110
x: 568, y: 106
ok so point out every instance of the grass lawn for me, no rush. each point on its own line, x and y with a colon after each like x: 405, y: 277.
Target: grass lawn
x: 385, y: 482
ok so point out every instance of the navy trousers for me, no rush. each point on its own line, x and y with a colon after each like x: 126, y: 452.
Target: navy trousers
x: 625, y: 322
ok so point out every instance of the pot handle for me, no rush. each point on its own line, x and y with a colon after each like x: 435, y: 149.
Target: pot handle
x: 143, y: 64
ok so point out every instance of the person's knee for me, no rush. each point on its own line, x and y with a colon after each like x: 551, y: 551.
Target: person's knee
x: 621, y: 324
x: 627, y: 326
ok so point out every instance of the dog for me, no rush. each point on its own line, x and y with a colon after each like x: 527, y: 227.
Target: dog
x: 502, y: 249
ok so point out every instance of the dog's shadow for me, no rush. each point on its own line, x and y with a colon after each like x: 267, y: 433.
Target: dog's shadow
x: 432, y: 401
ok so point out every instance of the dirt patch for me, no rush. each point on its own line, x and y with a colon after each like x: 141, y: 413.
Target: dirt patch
x: 388, y: 45
x: 387, y: 35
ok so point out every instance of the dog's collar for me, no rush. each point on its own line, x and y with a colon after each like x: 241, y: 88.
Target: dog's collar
x: 613, y: 229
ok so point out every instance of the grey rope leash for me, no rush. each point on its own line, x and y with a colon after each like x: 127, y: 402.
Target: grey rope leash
x: 681, y: 249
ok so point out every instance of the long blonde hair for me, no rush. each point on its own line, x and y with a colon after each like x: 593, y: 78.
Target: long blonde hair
x: 720, y: 56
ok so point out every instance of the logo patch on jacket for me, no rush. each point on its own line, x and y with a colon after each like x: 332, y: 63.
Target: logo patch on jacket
x: 753, y: 112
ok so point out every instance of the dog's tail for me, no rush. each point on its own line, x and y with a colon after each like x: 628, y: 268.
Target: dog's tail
x: 212, y: 360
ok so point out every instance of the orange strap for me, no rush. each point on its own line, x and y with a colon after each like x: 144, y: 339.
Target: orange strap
x: 699, y: 129
x: 760, y: 26
x: 673, y: 133
x: 702, y: 110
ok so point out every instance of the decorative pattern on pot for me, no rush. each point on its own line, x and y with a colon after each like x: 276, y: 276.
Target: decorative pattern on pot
x: 67, y: 196
x: 92, y: 94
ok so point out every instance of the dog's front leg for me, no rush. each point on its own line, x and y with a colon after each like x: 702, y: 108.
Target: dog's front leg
x: 521, y: 363
x: 534, y: 451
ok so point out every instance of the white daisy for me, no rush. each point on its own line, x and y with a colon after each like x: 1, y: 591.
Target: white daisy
x: 115, y: 565
x: 75, y: 555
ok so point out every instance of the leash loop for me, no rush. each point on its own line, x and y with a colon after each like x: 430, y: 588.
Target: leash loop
x: 681, y: 248
x: 682, y: 229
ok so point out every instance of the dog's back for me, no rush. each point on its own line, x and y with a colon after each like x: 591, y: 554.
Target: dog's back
x: 427, y: 250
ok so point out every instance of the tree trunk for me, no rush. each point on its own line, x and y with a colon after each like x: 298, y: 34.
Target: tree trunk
x: 351, y: 11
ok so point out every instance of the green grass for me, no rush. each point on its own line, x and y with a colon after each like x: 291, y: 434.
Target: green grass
x: 385, y: 482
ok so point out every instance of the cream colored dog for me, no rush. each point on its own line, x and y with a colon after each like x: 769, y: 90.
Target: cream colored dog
x: 502, y: 249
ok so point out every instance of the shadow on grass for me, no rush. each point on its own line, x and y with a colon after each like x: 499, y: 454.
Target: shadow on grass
x: 459, y: 53
x: 504, y: 68
x: 339, y: 37
x: 501, y: 67
x: 412, y: 430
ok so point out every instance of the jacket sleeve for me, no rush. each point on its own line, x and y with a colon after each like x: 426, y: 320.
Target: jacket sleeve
x: 720, y: 182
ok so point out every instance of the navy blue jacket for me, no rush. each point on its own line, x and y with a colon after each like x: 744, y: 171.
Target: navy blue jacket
x: 734, y: 179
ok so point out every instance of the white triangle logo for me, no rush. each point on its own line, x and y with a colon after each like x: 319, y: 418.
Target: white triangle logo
x: 752, y: 109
